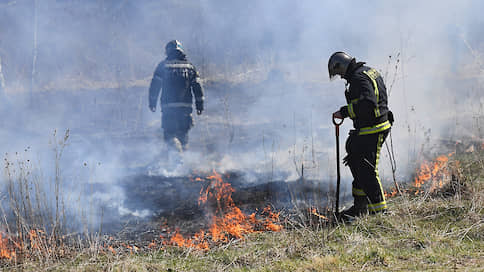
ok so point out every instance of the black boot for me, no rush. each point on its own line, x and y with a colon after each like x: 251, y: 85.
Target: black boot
x: 359, y: 208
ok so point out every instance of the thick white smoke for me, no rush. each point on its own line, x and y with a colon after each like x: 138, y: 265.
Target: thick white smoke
x: 268, y: 97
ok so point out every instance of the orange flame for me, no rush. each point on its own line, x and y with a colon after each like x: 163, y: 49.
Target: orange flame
x: 228, y: 220
x: 6, y: 251
x: 198, y: 241
x: 152, y: 245
x: 132, y: 248
x: 111, y: 249
x: 270, y: 219
x: 35, y: 238
x: 313, y: 211
x: 392, y: 193
x: 432, y: 171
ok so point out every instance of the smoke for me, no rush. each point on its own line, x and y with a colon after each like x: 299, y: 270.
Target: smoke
x: 268, y: 97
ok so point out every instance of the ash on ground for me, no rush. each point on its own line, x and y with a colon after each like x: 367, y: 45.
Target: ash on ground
x: 173, y: 203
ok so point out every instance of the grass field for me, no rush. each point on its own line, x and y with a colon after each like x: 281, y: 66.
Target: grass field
x: 440, y: 231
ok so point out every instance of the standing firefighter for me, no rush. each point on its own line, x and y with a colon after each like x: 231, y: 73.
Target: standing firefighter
x: 179, y: 81
x: 367, y: 107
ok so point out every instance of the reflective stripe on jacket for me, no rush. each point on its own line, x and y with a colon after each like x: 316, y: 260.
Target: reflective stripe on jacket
x: 178, y: 81
x: 367, y: 100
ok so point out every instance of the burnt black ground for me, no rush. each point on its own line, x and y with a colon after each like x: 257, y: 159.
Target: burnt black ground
x: 173, y: 202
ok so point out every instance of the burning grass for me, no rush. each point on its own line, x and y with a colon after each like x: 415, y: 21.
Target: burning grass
x: 47, y: 244
x: 424, y: 231
x: 432, y: 176
x: 434, y: 229
x: 227, y: 221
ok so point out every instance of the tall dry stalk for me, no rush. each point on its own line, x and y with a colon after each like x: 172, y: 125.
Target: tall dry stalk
x: 59, y: 201
x: 40, y: 217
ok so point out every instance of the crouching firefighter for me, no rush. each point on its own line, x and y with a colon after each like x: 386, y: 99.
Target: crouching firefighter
x: 179, y: 81
x: 367, y: 107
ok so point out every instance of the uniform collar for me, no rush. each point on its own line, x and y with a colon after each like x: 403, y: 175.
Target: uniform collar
x: 352, y: 67
x: 176, y: 55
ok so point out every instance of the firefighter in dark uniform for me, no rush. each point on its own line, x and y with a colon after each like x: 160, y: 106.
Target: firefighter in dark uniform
x: 367, y: 107
x: 180, y: 82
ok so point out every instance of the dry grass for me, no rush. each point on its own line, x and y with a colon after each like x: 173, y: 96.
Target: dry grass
x: 442, y: 231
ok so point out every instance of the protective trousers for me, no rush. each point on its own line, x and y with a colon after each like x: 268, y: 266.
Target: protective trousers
x: 363, y: 158
x: 176, y: 123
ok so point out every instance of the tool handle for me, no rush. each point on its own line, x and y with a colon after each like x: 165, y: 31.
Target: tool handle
x: 338, y: 174
x: 336, y: 123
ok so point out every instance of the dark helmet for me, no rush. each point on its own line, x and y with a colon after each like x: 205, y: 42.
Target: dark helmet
x: 172, y: 46
x: 338, y: 64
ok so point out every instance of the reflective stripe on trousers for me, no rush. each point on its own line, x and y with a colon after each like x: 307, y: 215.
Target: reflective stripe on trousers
x: 364, y: 155
x: 176, y: 105
x: 375, y: 207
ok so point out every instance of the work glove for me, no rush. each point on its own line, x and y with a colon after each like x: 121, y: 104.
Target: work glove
x: 391, y: 119
x: 199, y: 106
x: 346, y: 160
x: 338, y: 115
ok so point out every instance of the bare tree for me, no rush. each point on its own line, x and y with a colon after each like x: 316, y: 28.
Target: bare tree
x: 34, y: 54
x: 2, y: 79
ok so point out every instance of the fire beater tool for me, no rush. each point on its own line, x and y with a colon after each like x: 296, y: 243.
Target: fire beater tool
x: 338, y: 176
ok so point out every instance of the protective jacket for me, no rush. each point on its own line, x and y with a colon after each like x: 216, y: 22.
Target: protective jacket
x: 367, y: 107
x: 367, y: 100
x: 179, y: 81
